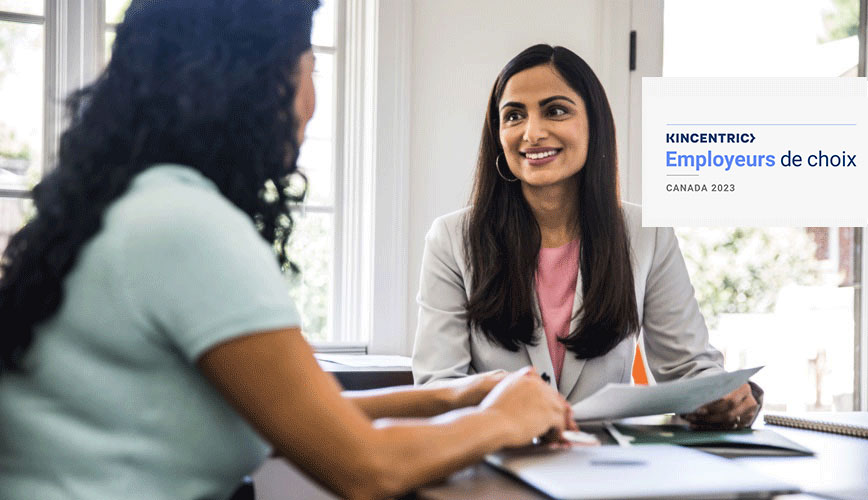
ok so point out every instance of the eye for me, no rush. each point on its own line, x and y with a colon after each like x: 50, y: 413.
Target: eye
x: 511, y: 116
x: 557, y: 111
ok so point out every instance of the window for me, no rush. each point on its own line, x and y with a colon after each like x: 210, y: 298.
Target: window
x: 22, y: 73
x: 312, y: 244
x: 786, y: 298
x: 30, y: 125
x: 113, y: 14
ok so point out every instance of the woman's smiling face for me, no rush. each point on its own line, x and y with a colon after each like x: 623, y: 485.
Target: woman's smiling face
x: 543, y: 127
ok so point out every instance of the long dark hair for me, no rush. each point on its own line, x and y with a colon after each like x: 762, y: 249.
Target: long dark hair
x: 502, y: 237
x: 202, y: 83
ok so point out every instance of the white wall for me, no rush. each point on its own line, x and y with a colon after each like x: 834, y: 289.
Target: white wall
x: 459, y: 46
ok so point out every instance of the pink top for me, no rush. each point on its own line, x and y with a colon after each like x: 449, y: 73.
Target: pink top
x: 556, y: 277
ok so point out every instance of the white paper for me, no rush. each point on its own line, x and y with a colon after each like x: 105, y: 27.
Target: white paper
x: 678, y: 396
x: 366, y: 360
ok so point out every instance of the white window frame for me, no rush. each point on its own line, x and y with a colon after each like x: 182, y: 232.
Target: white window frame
x: 860, y: 350
x: 73, y: 51
x: 372, y: 182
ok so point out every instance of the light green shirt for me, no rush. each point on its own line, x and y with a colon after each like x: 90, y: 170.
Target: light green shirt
x: 112, y: 405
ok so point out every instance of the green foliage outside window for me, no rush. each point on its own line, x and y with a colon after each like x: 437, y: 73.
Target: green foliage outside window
x: 310, y: 249
x: 843, y: 21
x: 741, y: 270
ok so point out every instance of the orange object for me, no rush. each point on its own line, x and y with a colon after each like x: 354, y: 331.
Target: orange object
x: 639, y: 375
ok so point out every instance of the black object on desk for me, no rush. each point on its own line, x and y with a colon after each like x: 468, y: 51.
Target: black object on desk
x: 359, y: 378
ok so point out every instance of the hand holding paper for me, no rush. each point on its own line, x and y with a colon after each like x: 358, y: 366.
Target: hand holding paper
x: 616, y: 401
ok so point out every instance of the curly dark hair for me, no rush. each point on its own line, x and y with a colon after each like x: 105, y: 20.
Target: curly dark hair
x: 203, y: 83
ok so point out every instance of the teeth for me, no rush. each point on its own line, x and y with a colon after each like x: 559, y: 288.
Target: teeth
x: 537, y: 156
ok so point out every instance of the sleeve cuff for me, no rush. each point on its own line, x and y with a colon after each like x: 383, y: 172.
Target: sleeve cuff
x: 758, y: 393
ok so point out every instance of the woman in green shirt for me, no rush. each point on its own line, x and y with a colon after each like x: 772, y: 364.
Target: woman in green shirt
x: 149, y: 348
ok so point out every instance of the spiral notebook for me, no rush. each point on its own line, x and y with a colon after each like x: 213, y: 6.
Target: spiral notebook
x: 851, y: 423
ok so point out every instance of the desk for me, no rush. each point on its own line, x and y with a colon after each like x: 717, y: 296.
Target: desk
x: 839, y: 470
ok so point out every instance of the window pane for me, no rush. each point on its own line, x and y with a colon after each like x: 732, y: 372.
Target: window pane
x: 783, y: 298
x: 109, y: 40
x: 324, y: 24
x: 317, y: 152
x: 322, y: 123
x: 13, y: 213
x: 779, y: 297
x: 36, y: 7
x: 819, y: 38
x: 21, y: 82
x: 114, y: 10
x: 316, y: 162
x: 311, y: 248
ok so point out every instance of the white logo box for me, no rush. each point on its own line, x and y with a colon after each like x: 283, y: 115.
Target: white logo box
x: 758, y: 152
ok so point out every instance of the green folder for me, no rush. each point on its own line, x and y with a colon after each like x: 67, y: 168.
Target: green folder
x: 738, y: 443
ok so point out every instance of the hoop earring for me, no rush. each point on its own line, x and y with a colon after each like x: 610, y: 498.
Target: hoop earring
x: 497, y: 166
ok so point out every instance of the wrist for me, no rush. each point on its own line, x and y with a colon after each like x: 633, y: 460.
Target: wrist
x: 500, y: 428
x: 504, y: 428
x: 449, y: 398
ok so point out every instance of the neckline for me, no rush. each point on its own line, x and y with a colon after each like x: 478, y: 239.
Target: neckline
x: 562, y: 247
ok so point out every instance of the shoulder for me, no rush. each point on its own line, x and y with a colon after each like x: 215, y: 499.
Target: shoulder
x: 640, y: 237
x: 632, y: 215
x: 649, y: 246
x: 449, y: 226
x: 172, y: 216
x: 169, y: 202
x: 644, y: 241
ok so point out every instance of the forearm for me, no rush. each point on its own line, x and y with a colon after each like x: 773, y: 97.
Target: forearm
x: 404, y: 402
x: 397, y: 455
x: 329, y: 437
x: 421, y: 451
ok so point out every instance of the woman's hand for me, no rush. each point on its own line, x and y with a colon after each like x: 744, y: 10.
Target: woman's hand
x: 736, y: 410
x: 532, y: 406
x: 471, y: 390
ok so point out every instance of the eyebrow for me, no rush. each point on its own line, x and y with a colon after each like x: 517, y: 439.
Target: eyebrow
x: 541, y: 103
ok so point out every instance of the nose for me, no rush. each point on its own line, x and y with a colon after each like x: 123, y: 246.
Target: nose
x: 534, y: 130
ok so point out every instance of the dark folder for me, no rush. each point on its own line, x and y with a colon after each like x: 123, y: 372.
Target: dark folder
x: 737, y: 443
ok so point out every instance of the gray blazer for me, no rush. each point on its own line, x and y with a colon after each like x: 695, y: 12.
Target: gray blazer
x: 675, y: 338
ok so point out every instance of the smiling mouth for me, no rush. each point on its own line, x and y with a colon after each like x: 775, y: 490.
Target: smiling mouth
x: 539, y: 155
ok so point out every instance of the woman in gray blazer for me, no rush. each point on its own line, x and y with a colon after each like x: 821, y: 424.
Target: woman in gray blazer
x: 546, y: 230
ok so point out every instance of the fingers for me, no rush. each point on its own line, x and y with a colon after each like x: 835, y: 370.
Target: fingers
x: 745, y: 413
x: 726, y: 403
x: 570, y: 419
x: 717, y: 407
x: 736, y: 410
x: 543, y: 411
x: 559, y: 416
x: 492, y: 379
